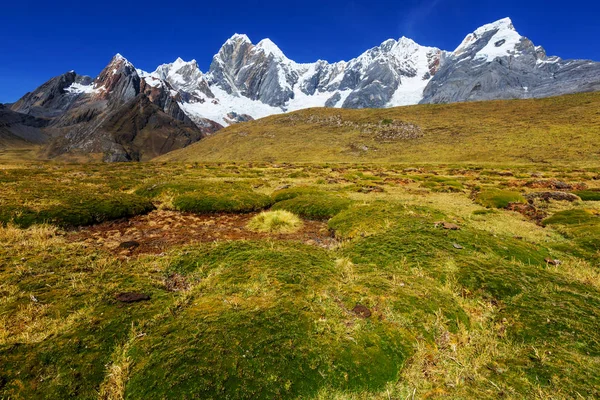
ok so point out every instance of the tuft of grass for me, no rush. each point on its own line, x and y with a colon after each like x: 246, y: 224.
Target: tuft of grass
x: 495, y: 198
x: 278, y: 221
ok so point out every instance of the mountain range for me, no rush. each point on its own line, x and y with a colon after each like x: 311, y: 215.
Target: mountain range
x: 128, y: 114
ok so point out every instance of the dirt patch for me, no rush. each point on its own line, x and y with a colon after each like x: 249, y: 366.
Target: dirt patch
x: 529, y: 211
x: 176, y: 283
x: 158, y: 231
x: 361, y: 311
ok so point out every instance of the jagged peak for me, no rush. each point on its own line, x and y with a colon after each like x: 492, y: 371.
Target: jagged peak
x: 407, y: 41
x: 119, y: 57
x: 501, y: 24
x: 504, y: 33
x: 239, y: 37
x: 269, y: 47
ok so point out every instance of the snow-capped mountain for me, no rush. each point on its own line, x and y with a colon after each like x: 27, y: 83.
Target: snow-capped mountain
x: 247, y: 81
x: 495, y: 62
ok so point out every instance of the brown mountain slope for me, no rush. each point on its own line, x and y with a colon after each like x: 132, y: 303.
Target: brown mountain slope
x: 19, y: 130
x: 137, y: 131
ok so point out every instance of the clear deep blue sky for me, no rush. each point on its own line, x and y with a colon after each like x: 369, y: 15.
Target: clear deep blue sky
x: 44, y: 38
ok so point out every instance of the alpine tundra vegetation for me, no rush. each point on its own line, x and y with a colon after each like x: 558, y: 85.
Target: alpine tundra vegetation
x: 414, y: 223
x: 174, y: 280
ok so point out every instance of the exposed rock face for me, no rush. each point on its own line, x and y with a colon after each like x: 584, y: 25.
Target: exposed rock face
x: 117, y: 83
x: 262, y: 72
x: 118, y: 114
x: 52, y: 98
x: 495, y: 62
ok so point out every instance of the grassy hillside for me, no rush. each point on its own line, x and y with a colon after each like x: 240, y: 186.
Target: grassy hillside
x: 562, y: 129
x: 150, y: 281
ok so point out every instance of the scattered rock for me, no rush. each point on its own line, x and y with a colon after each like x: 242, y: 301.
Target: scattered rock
x: 450, y: 226
x: 550, y: 261
x: 282, y: 187
x: 457, y: 246
x: 131, y: 297
x: 371, y: 189
x: 398, y: 181
x: 176, y: 283
x: 361, y: 311
x: 506, y: 173
x: 547, y: 196
x: 130, y: 245
x: 447, y: 225
x: 554, y: 184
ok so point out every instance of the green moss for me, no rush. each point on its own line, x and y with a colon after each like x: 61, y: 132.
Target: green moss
x: 484, y: 212
x: 227, y: 202
x: 442, y: 184
x: 78, y: 210
x: 364, y: 220
x: 494, y: 198
x: 281, y: 340
x: 291, y: 193
x: 319, y: 207
x: 588, y: 195
x: 186, y: 186
x: 572, y: 217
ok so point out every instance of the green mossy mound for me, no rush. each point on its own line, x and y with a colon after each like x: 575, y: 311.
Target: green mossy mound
x: 317, y: 207
x: 206, y: 196
x: 442, y: 184
x: 291, y: 193
x: 224, y: 202
x: 255, y: 328
x: 77, y: 209
x: 572, y: 217
x: 588, y: 195
x: 494, y: 198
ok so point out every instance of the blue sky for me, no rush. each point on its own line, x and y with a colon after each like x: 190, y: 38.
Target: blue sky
x: 42, y: 38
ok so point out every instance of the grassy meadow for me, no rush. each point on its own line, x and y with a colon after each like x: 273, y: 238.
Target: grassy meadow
x: 321, y: 280
x: 563, y: 130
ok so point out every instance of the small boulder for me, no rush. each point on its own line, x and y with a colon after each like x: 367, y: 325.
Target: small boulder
x: 447, y: 225
x: 132, y: 297
x: 550, y: 261
x: 130, y: 245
